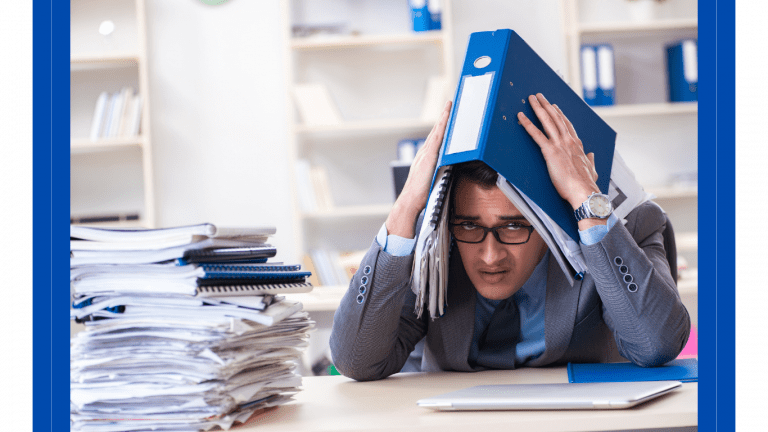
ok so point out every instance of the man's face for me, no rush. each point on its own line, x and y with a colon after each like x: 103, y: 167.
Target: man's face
x: 497, y: 270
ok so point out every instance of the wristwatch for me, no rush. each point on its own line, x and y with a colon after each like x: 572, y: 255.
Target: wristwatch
x: 597, y: 206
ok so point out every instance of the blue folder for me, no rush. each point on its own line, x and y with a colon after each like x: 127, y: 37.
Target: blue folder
x: 685, y: 370
x: 683, y: 72
x: 484, y: 126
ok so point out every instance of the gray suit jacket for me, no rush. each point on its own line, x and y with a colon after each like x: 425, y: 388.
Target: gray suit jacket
x: 596, y: 320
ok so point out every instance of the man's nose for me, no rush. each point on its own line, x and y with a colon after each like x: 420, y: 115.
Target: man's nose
x: 491, y: 251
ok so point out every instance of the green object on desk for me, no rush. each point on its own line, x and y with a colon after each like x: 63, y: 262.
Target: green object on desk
x: 685, y: 370
x: 332, y: 370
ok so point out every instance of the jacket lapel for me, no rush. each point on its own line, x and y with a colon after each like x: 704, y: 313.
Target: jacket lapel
x: 561, y: 304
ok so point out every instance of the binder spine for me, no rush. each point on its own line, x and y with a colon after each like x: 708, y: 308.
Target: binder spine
x: 606, y: 75
x: 420, y: 15
x: 683, y: 74
x: 589, y: 74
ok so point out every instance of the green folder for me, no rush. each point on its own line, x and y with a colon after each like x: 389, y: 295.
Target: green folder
x: 685, y: 370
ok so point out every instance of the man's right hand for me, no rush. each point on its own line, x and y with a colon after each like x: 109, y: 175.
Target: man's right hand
x: 413, y: 198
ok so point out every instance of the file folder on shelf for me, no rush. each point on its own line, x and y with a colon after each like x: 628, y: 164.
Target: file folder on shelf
x: 682, y: 63
x: 499, y: 72
x: 598, y: 75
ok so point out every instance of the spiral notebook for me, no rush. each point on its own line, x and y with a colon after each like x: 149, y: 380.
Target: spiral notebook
x: 251, y: 290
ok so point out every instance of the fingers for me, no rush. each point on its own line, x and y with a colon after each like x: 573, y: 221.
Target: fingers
x: 591, y: 157
x: 532, y: 130
x: 567, y: 122
x: 554, y: 115
x: 545, y: 118
x: 435, y: 137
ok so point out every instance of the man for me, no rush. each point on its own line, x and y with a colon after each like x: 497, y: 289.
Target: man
x: 509, y: 305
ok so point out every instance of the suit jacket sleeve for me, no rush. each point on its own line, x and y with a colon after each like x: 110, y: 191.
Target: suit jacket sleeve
x: 650, y: 325
x: 372, y: 339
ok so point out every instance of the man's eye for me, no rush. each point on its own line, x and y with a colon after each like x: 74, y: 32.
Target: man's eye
x: 513, y: 227
x: 469, y: 226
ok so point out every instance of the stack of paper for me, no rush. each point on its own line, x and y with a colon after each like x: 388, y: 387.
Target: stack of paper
x: 185, y: 328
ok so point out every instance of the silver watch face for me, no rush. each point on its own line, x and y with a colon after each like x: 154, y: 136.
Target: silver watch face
x: 600, y: 206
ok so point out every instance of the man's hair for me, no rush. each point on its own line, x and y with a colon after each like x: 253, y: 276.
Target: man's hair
x: 475, y: 172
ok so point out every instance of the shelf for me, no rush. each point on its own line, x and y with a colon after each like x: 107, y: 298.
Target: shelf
x: 655, y: 109
x: 375, y: 210
x: 138, y: 223
x: 346, y: 41
x: 629, y: 26
x: 85, y: 145
x: 367, y: 126
x: 320, y: 299
x: 674, y: 192
x: 105, y: 60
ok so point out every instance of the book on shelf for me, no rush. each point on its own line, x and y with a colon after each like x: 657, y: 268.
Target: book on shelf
x: 315, y: 104
x: 116, y: 115
x: 313, y: 187
x: 434, y: 98
x: 98, y: 116
x: 335, y: 268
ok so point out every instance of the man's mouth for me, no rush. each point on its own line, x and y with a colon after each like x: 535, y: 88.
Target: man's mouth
x: 493, y: 276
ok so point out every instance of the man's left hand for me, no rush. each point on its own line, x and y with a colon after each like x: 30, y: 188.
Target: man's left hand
x: 572, y: 172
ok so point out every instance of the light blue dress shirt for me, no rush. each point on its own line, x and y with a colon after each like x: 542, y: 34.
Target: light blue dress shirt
x: 530, y: 298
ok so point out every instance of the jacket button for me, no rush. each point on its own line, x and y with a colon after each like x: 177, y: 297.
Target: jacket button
x: 627, y: 278
x: 367, y: 270
x: 624, y: 269
x: 360, y: 298
x: 364, y: 280
x: 632, y: 287
x: 618, y: 261
x: 361, y: 289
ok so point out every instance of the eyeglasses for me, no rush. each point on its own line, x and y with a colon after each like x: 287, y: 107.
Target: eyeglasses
x: 510, y: 234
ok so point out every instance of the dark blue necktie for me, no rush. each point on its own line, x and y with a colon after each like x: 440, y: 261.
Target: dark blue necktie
x: 498, y: 341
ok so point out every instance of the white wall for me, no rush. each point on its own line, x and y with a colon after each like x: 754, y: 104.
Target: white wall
x: 218, y: 113
x: 539, y: 23
x: 218, y: 106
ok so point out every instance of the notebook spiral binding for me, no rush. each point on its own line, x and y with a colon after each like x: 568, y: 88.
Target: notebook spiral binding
x: 244, y: 268
x: 249, y: 290
x: 443, y: 185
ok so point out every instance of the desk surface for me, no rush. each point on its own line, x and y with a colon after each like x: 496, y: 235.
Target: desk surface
x: 339, y: 403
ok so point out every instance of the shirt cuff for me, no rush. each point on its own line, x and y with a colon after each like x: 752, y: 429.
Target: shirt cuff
x: 596, y: 233
x: 393, y: 244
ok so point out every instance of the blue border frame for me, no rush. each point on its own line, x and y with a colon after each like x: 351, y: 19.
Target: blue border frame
x: 50, y: 214
x: 717, y: 391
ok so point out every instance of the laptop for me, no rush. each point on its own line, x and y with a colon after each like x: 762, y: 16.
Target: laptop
x: 604, y: 395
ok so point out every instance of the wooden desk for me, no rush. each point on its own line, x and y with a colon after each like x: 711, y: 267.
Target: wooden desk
x: 338, y: 403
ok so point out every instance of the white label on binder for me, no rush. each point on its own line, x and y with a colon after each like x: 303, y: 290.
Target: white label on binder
x: 418, y: 4
x: 690, y: 66
x: 605, y: 63
x: 589, y: 69
x: 470, y: 113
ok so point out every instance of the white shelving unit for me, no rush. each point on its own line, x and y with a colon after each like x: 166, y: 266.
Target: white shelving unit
x: 110, y: 175
x: 376, y: 75
x: 654, y: 136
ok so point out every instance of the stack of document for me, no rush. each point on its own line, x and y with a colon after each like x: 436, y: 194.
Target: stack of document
x: 430, y: 271
x: 186, y: 328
